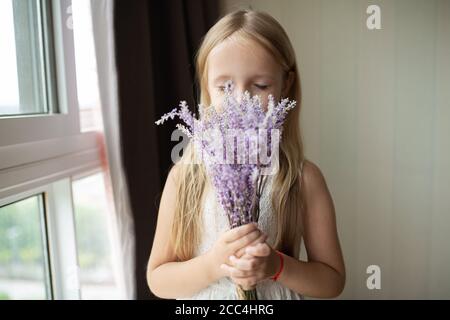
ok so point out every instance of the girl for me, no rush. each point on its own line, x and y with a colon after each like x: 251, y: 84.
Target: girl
x: 194, y: 254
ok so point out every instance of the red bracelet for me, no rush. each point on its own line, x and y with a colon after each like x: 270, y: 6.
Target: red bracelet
x: 275, y: 277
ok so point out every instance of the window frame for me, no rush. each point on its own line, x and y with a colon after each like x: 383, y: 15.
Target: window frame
x: 34, y: 127
x: 48, y: 282
x: 58, y: 232
x: 44, y: 153
x: 46, y: 147
x: 35, y: 48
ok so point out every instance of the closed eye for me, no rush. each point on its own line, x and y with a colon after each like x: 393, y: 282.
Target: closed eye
x: 261, y: 86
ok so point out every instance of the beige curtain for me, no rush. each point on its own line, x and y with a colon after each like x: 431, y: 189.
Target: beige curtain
x: 102, y: 14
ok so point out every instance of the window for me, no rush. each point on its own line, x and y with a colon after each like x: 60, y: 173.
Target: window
x: 27, y: 77
x: 24, y: 267
x: 86, y: 66
x: 38, y: 70
x: 94, y: 238
x: 56, y: 240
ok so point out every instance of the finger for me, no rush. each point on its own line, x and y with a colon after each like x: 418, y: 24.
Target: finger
x: 239, y: 232
x: 260, y: 250
x: 245, y: 240
x: 234, y: 272
x: 261, y: 239
x: 247, y: 256
x: 245, y: 264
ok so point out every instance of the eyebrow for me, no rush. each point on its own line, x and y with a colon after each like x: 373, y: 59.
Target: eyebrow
x: 227, y: 77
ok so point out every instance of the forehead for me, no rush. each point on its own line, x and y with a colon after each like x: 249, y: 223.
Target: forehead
x: 236, y: 57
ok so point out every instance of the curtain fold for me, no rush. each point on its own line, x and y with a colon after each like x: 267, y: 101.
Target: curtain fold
x: 124, y: 257
x: 156, y: 43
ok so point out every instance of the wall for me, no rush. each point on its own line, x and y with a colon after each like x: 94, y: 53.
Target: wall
x: 376, y: 119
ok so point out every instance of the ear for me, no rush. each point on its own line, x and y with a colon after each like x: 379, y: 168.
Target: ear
x: 287, y: 83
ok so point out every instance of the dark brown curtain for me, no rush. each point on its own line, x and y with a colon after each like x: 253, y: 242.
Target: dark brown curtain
x: 155, y: 46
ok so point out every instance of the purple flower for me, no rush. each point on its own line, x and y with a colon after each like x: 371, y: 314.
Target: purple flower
x: 229, y: 142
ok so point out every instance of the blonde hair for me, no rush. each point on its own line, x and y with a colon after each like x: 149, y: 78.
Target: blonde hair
x: 191, y: 178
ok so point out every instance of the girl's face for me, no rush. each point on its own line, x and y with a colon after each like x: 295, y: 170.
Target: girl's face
x: 250, y: 67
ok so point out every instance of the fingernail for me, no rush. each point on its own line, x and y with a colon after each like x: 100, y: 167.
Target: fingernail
x: 232, y: 257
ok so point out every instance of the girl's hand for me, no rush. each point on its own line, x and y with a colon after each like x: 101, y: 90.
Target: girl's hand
x: 258, y: 263
x: 241, y: 252
x: 230, y: 243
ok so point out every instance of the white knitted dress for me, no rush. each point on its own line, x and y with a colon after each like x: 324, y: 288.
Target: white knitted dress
x: 215, y: 223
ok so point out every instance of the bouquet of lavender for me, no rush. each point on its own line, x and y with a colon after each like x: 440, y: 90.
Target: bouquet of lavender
x: 238, y: 145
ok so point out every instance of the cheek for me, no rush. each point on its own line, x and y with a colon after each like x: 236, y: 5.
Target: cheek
x: 264, y: 100
x: 216, y: 101
x: 265, y: 97
x: 213, y: 97
x: 276, y: 92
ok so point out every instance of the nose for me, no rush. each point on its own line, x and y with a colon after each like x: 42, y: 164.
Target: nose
x: 239, y: 91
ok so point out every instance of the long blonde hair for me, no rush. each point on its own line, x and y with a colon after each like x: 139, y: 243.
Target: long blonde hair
x: 191, y: 178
